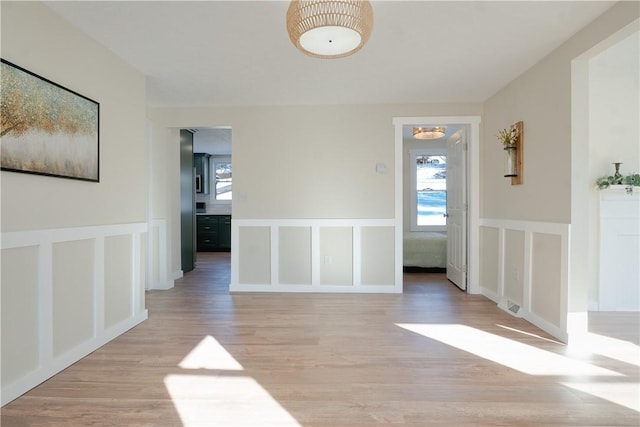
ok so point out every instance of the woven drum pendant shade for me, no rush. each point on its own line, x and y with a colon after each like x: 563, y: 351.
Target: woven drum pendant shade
x: 329, y: 28
x: 428, y: 133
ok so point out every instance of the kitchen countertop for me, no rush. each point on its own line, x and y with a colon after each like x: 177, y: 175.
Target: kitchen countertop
x: 215, y: 212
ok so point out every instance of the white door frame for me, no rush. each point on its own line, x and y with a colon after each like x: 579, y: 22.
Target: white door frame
x: 473, y: 190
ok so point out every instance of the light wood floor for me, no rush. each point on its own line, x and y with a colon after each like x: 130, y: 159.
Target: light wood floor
x: 433, y: 356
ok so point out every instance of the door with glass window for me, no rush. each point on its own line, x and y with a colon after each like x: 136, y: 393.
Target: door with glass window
x: 439, y: 201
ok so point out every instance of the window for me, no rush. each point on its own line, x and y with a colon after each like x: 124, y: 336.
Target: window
x: 429, y: 190
x: 223, y: 179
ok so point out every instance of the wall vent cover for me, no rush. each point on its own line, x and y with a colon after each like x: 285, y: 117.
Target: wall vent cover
x: 510, y: 307
x: 514, y: 308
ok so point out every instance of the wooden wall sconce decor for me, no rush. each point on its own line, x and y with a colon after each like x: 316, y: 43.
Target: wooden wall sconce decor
x: 511, y: 139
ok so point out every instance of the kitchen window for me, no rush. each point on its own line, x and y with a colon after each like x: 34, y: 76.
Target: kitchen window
x: 223, y: 179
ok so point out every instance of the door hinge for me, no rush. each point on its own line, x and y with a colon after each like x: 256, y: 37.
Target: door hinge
x: 465, y: 146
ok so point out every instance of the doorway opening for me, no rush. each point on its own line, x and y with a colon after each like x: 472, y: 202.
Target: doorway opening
x: 207, y: 192
x: 437, y: 202
x: 603, y: 78
x: 437, y: 199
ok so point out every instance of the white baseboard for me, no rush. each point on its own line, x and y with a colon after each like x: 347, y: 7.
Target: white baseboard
x: 493, y: 296
x: 517, y: 310
x: 161, y: 286
x: 371, y: 289
x: 546, y: 326
x: 178, y: 274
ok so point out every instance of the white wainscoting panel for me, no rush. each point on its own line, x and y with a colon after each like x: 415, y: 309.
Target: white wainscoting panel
x: 46, y: 285
x: 335, y: 255
x: 158, y: 259
x: 530, y: 261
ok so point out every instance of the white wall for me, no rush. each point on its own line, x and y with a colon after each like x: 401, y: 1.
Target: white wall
x: 73, y: 252
x: 62, y: 54
x: 542, y: 99
x: 614, y: 108
x: 164, y: 214
x: 310, y: 163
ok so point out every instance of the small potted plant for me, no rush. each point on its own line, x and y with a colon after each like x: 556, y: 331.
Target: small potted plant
x: 509, y: 139
x: 630, y: 181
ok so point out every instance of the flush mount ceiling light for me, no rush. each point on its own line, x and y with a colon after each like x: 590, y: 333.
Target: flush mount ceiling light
x: 329, y: 28
x: 428, y: 133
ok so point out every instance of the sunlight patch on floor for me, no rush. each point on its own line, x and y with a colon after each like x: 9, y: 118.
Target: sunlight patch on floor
x: 521, y: 357
x: 529, y: 334
x: 624, y: 394
x: 204, y: 400
x: 224, y: 397
x: 209, y: 354
x: 613, y: 348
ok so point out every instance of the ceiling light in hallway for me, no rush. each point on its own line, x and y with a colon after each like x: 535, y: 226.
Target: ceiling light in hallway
x: 428, y: 133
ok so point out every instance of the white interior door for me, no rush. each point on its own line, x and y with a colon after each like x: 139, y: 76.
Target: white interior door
x: 457, y: 210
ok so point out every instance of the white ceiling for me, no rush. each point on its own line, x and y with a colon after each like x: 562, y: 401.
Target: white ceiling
x: 239, y: 53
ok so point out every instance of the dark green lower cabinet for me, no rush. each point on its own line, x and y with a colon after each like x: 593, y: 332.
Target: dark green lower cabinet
x: 214, y: 233
x: 224, y: 233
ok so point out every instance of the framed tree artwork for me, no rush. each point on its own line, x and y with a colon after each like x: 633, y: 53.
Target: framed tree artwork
x: 47, y: 129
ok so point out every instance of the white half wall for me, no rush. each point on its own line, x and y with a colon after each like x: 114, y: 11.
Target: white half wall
x: 527, y: 270
x: 349, y: 255
x: 66, y: 292
x: 158, y: 257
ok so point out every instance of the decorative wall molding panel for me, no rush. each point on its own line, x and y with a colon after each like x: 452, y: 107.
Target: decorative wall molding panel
x: 158, y: 260
x: 525, y: 269
x: 86, y: 287
x: 316, y: 255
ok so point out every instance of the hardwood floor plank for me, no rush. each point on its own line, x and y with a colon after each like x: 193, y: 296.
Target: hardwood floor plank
x: 209, y: 358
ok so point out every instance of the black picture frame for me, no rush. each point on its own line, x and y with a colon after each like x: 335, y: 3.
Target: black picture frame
x: 45, y: 128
